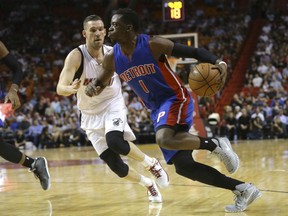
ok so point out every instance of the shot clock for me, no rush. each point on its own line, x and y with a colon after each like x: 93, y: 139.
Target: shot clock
x: 173, y: 10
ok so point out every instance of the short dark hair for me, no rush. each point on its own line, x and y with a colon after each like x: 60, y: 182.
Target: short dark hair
x: 91, y: 18
x: 129, y: 16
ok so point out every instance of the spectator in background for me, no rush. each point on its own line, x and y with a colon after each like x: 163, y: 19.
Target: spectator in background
x: 57, y: 133
x: 243, y: 124
x: 237, y: 112
x: 46, y: 139
x: 40, y: 106
x: 262, y: 68
x: 24, y: 123
x: 285, y: 72
x: 256, y: 128
x: 73, y: 137
x: 280, y: 124
x: 257, y: 81
x: 20, y: 139
x: 238, y: 100
x: 268, y: 111
x: 231, y: 125
x: 135, y: 104
x: 275, y: 83
x: 56, y: 105
x: 34, y: 132
x: 258, y: 113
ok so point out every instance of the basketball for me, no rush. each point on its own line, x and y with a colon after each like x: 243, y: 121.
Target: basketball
x: 205, y: 80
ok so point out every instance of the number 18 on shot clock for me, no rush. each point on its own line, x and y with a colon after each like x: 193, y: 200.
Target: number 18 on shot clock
x: 173, y: 10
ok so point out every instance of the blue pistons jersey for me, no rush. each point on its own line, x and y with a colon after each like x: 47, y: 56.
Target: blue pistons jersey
x: 160, y: 89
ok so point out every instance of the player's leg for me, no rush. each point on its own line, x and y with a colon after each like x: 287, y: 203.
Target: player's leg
x: 38, y: 166
x: 117, y: 143
x: 185, y: 166
x: 116, y: 138
x: 116, y: 164
x: 172, y: 122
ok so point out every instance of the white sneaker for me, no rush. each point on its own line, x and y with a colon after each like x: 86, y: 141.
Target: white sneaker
x: 154, y: 194
x: 245, y: 194
x: 162, y: 178
x: 226, y: 154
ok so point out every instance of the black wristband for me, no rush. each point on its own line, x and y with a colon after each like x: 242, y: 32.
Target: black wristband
x: 16, y: 68
x: 201, y: 54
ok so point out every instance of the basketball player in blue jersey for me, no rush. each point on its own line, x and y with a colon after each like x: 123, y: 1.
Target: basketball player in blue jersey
x: 140, y: 60
x: 38, y: 165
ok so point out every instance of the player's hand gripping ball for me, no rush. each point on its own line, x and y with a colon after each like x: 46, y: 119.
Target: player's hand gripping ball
x: 207, y: 79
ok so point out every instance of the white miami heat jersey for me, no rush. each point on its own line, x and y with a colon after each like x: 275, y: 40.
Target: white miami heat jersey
x: 110, y: 97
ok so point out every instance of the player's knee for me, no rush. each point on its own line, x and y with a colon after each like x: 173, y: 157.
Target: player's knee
x: 164, y: 138
x: 163, y: 142
x: 115, y: 141
x: 120, y: 169
x: 115, y: 163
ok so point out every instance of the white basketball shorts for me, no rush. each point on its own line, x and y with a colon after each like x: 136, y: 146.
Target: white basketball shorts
x: 96, y: 126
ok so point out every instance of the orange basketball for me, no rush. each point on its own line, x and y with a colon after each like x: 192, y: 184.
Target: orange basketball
x: 204, y: 79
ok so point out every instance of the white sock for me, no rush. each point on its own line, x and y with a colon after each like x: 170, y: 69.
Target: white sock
x: 148, y: 161
x: 144, y: 181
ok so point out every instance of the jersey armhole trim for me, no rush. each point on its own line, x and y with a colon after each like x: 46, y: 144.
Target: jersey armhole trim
x: 79, y: 72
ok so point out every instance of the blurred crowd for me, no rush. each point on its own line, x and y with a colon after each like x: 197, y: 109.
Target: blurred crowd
x: 53, y: 28
x: 260, y: 110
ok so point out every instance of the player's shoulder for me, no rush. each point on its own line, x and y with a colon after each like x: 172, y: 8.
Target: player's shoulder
x: 156, y: 38
x: 74, y: 55
x: 107, y: 48
x: 75, y: 52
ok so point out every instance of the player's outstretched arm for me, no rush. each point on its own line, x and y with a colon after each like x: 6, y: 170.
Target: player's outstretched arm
x: 16, y: 68
x: 161, y: 46
x: 66, y: 86
x: 97, y: 86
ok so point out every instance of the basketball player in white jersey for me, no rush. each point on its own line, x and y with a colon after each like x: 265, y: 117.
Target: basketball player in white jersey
x: 104, y: 118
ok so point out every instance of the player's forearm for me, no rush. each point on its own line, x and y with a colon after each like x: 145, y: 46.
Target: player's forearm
x: 16, y: 68
x: 64, y: 90
x: 104, y: 78
x: 200, y: 54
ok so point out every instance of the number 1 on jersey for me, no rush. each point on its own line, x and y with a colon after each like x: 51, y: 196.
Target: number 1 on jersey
x: 145, y: 89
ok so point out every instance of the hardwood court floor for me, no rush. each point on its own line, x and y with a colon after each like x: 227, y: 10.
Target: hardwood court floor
x: 82, y: 185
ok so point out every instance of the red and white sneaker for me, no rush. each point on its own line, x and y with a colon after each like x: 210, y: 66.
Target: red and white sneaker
x: 154, y: 194
x: 159, y: 173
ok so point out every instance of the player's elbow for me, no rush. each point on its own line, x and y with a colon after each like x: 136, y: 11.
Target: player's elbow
x: 60, y: 91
